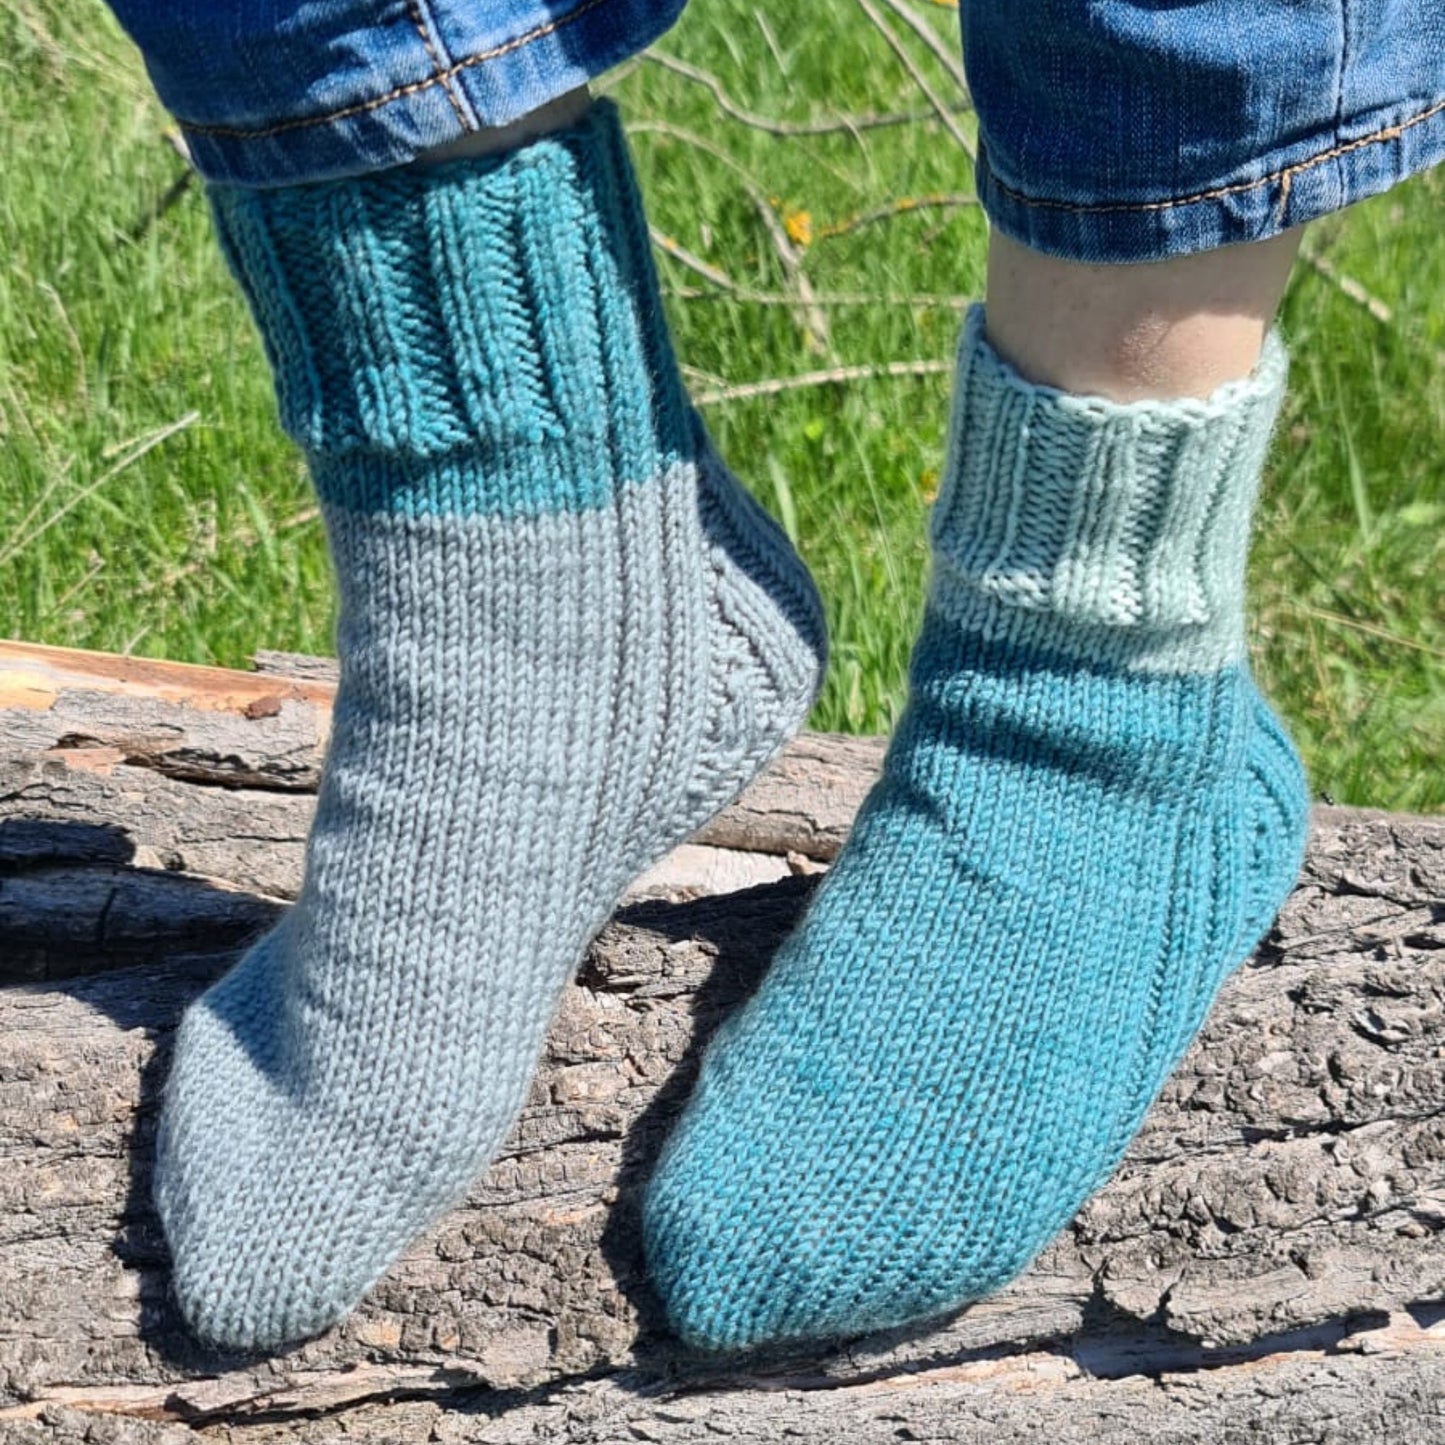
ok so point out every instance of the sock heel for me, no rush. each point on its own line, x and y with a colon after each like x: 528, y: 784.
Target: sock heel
x: 1280, y: 815
x: 769, y: 634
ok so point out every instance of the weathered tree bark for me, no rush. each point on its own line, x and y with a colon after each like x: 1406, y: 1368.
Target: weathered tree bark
x: 1267, y: 1264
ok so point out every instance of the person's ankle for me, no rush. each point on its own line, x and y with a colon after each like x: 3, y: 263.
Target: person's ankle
x: 558, y: 114
x: 1157, y: 331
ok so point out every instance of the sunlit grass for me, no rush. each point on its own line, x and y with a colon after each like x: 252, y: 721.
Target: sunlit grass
x: 148, y: 501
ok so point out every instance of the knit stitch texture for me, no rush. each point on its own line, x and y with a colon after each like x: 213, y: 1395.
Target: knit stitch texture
x: 1086, y: 819
x: 567, y: 637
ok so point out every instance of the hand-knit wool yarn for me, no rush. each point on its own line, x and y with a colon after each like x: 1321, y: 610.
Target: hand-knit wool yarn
x: 567, y: 637
x: 1086, y: 819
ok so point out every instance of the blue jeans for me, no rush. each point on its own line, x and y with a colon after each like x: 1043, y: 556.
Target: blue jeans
x: 1111, y: 130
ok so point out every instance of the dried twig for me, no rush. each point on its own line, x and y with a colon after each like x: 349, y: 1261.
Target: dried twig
x: 177, y: 188
x: 708, y: 147
x: 919, y: 79
x: 153, y: 213
x: 903, y: 206
x: 683, y: 256
x: 1321, y: 264
x: 771, y: 40
x: 831, y: 126
x: 696, y: 376
x: 614, y: 78
x: 772, y: 385
x: 1371, y: 629
x: 922, y: 299
x: 948, y: 57
x: 815, y: 324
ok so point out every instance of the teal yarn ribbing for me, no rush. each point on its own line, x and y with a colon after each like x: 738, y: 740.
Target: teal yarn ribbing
x: 567, y: 637
x: 1086, y: 818
x: 482, y: 337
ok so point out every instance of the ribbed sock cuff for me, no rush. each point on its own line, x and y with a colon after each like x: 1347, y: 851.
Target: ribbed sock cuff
x: 1116, y: 532
x: 480, y: 336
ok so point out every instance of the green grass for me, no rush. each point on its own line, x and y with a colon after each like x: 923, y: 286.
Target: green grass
x: 149, y: 504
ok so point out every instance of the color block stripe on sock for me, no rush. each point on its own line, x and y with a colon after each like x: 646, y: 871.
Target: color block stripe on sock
x: 1113, y: 532
x: 476, y: 338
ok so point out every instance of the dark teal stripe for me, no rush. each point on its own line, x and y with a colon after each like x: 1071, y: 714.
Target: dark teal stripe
x: 481, y: 337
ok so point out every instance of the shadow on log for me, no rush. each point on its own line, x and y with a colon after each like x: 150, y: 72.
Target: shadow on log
x: 1267, y: 1264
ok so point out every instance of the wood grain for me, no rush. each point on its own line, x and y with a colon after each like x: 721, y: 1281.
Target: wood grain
x: 1267, y: 1264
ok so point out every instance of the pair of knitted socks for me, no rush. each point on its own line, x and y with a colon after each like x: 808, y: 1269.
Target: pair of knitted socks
x: 567, y: 637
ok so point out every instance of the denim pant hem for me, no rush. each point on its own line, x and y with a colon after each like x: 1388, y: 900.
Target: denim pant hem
x: 1282, y: 190
x: 1111, y: 130
x: 432, y: 84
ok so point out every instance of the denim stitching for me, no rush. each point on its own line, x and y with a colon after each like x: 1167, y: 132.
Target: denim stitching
x: 440, y: 78
x: 414, y: 10
x: 1344, y: 70
x: 1283, y: 176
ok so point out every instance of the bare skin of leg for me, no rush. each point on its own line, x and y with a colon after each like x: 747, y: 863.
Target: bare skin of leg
x: 1160, y: 330
x: 1164, y: 329
x: 553, y: 116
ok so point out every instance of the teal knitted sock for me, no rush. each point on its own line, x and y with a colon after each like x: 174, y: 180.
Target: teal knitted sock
x: 1086, y: 818
x: 567, y: 637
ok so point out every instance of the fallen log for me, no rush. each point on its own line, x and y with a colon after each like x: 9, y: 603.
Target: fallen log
x: 1268, y: 1263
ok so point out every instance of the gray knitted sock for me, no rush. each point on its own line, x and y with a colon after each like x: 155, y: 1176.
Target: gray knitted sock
x: 567, y: 638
